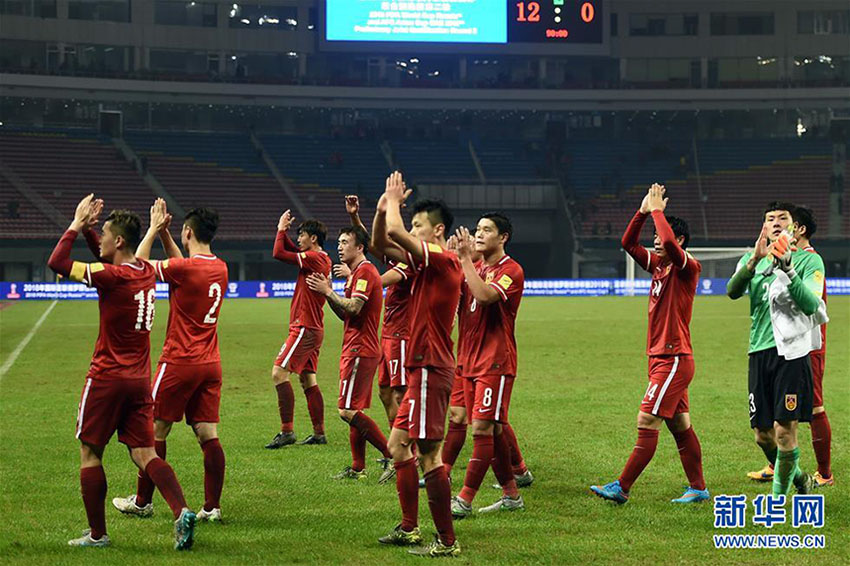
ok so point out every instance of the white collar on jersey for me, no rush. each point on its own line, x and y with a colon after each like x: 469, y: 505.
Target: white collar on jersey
x: 134, y: 266
x: 204, y: 256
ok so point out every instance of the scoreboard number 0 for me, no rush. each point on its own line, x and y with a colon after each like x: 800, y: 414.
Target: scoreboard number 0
x: 587, y: 12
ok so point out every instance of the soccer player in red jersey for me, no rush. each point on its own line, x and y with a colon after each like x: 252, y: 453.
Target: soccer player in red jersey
x: 805, y: 227
x: 117, y: 393
x: 360, y: 310
x: 299, y: 355
x: 395, y: 333
x: 430, y: 361
x: 188, y: 376
x: 494, y: 287
x: 671, y: 364
x: 458, y: 422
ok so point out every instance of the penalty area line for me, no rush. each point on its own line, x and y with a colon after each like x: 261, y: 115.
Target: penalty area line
x: 7, y: 365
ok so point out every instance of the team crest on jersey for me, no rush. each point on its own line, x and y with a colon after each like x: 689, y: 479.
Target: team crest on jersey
x: 791, y: 402
x: 505, y: 282
x: 489, y: 278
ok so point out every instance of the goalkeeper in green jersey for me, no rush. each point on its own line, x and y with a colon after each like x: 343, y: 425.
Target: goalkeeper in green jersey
x: 780, y: 389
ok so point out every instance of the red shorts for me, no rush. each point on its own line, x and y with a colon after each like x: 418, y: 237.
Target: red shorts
x: 488, y: 397
x: 392, y: 372
x: 300, y: 352
x: 108, y: 405
x: 422, y: 412
x: 191, y: 389
x: 818, y: 361
x: 667, y: 392
x: 457, y: 398
x: 355, y: 382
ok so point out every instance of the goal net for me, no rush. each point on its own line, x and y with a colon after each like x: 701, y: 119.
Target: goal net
x: 717, y: 263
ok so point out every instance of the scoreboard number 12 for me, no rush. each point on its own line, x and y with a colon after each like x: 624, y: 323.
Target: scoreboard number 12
x: 528, y: 11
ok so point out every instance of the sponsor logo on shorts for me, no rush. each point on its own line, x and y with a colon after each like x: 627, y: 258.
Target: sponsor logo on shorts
x: 791, y: 402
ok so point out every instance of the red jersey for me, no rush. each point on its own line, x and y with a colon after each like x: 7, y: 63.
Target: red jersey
x: 673, y: 288
x: 434, y: 299
x: 822, y: 349
x: 489, y: 343
x: 360, y: 335
x: 463, y: 316
x: 126, y: 295
x: 196, y: 288
x: 306, y: 310
x: 396, y: 322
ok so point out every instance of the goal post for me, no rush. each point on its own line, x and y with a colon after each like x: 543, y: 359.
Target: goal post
x: 717, y: 262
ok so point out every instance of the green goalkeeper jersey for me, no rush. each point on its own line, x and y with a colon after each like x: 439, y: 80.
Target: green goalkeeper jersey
x: 809, y: 268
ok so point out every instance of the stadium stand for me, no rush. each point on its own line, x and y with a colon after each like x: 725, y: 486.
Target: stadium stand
x: 59, y: 166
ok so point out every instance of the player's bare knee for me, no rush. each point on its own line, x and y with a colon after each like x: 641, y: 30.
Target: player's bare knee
x: 161, y: 429
x: 398, y: 395
x: 679, y: 423
x: 457, y: 415
x: 483, y: 428
x: 142, y: 456
x: 764, y: 437
x: 429, y: 454
x: 399, y: 445
x: 205, y: 432
x: 90, y: 456
x: 279, y: 375
x: 646, y: 420
x: 307, y: 380
x: 786, y: 435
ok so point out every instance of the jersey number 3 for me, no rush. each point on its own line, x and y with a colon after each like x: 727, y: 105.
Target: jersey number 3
x: 215, y: 291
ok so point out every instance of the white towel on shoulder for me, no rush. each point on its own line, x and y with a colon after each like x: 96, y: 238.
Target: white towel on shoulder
x: 796, y: 333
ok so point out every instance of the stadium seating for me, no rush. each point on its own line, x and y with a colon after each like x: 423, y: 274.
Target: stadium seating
x: 62, y: 166
x: 504, y: 160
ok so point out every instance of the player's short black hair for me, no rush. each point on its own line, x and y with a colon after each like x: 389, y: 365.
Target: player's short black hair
x: 805, y: 217
x: 126, y: 224
x: 779, y: 205
x: 680, y: 228
x: 203, y: 222
x: 314, y: 228
x: 438, y: 212
x: 360, y: 236
x: 502, y: 222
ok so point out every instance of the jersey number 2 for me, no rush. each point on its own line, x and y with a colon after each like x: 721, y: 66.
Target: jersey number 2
x: 215, y: 291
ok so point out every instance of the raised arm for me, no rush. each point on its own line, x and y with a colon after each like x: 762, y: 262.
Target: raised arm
x: 381, y: 242
x: 737, y: 285
x: 285, y: 249
x: 656, y: 203
x: 89, y: 233
x: 631, y: 238
x: 159, y: 220
x: 802, y: 286
x: 483, y: 293
x: 396, y: 194
x: 60, y: 259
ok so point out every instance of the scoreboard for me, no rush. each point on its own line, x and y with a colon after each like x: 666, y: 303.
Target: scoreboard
x: 483, y: 24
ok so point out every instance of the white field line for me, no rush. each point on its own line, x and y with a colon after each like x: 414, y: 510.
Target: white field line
x: 7, y: 365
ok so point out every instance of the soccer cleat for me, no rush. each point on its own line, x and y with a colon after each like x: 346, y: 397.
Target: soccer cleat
x: 314, y: 439
x: 504, y: 503
x: 611, y: 491
x: 400, y: 537
x: 763, y: 475
x: 522, y: 480
x: 436, y: 549
x: 127, y: 505
x: 86, y: 540
x: 348, y: 473
x: 184, y: 530
x: 807, y: 485
x: 460, y: 508
x: 692, y: 495
x: 280, y: 440
x: 389, y: 471
x: 823, y: 482
x: 213, y: 516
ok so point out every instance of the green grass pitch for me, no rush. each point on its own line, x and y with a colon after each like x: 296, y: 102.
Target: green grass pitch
x: 582, y: 375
